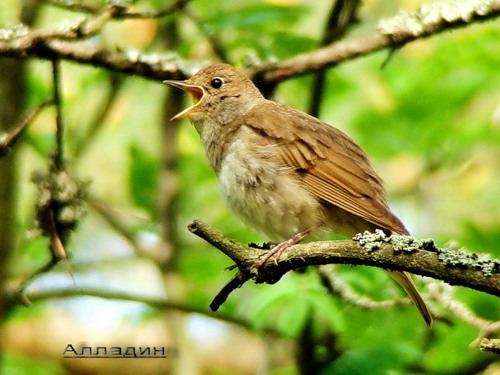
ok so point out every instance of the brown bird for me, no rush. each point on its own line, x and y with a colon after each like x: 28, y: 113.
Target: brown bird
x: 283, y: 172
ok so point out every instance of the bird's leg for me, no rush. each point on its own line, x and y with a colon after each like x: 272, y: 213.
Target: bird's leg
x: 280, y: 247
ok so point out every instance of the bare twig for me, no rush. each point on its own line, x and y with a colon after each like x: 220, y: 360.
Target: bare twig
x: 116, y: 82
x: 119, y: 12
x: 207, y: 33
x: 444, y: 294
x: 36, y: 295
x: 339, y: 287
x: 59, y: 154
x: 236, y: 282
x: 47, y: 46
x: 9, y: 139
x: 19, y: 296
x: 81, y: 29
x: 113, y: 219
x: 342, y: 16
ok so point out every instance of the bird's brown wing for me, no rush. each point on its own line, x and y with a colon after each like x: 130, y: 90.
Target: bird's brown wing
x: 335, y: 169
x: 332, y: 165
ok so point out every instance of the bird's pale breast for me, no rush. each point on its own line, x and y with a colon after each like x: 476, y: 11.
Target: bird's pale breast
x: 267, y: 196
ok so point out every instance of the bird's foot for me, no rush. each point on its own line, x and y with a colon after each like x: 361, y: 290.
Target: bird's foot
x: 277, y: 250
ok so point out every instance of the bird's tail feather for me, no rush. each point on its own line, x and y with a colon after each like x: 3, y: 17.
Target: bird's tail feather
x: 404, y: 279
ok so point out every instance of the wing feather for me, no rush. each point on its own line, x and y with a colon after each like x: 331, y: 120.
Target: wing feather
x: 332, y: 165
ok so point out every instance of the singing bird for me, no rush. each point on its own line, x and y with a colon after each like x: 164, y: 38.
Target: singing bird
x: 283, y: 172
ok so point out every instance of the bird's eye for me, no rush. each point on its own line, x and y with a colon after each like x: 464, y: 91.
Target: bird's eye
x: 216, y: 83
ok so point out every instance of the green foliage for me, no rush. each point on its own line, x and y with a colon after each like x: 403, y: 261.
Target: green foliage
x: 143, y: 178
x: 289, y: 304
x: 392, y: 358
x: 444, y: 357
x: 429, y: 119
x: 431, y: 103
x: 14, y: 364
x: 240, y: 24
x: 251, y: 17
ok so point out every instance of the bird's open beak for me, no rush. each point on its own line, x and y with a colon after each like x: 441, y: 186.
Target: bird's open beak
x: 196, y: 91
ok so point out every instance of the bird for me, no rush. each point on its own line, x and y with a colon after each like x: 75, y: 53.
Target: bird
x: 283, y: 172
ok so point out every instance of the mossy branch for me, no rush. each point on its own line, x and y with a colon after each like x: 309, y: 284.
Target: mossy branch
x: 403, y: 253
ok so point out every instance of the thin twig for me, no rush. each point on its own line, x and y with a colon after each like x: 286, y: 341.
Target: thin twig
x: 340, y: 288
x: 37, y: 295
x: 19, y: 296
x: 116, y: 82
x: 107, y: 213
x: 120, y: 12
x: 81, y: 29
x: 59, y: 154
x: 207, y: 33
x: 8, y: 140
x: 236, y: 282
x: 342, y: 16
x: 444, y: 294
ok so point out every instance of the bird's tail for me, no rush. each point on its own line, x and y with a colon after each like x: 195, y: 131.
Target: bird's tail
x: 404, y: 279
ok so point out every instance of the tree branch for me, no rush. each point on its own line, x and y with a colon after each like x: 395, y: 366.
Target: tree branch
x: 56, y: 88
x: 36, y: 44
x: 492, y: 345
x: 31, y: 296
x: 393, y: 33
x: 402, y: 253
x: 444, y: 294
x: 339, y: 287
x: 120, y: 11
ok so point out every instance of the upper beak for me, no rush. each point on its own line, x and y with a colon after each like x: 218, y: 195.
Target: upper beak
x: 196, y: 91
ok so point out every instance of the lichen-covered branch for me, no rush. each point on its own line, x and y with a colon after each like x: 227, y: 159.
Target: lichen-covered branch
x: 40, y: 44
x: 490, y: 345
x: 401, y: 253
x: 393, y: 33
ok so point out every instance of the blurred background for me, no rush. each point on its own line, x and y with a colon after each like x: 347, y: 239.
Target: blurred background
x: 428, y: 116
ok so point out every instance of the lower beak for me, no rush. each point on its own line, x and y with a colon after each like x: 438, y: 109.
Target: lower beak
x: 196, y: 91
